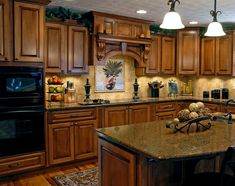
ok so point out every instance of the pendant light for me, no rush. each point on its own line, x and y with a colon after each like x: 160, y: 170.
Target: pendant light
x: 172, y: 19
x: 215, y: 29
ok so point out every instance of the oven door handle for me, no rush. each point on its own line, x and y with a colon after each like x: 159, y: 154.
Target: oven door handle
x: 21, y: 111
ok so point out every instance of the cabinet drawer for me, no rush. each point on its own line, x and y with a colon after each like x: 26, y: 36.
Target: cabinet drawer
x: 213, y: 107
x: 165, y: 115
x: 161, y: 107
x: 22, y: 163
x: 64, y: 116
x: 227, y: 109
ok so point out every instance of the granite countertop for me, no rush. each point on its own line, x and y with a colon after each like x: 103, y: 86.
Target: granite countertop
x: 155, y: 141
x: 62, y: 105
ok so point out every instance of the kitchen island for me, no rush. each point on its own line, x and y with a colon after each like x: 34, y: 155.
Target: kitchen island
x: 139, y: 154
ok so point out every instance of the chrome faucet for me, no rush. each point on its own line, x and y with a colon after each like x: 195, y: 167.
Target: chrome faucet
x: 230, y: 118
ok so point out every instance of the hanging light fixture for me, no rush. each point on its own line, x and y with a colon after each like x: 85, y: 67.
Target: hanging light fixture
x: 172, y: 19
x: 215, y: 29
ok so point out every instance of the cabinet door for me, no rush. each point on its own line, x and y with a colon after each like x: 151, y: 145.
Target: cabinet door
x: 154, y: 62
x: 115, y: 116
x: 29, y: 32
x: 117, y: 167
x: 168, y: 55
x: 208, y: 56
x: 78, y: 50
x: 224, y: 55
x: 5, y: 30
x: 85, y: 139
x: 188, y: 52
x: 139, y: 113
x: 61, y: 143
x: 55, y: 48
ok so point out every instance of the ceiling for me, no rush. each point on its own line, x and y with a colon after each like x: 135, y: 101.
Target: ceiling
x: 190, y: 10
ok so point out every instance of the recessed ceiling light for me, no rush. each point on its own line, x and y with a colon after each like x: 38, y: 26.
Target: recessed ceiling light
x: 141, y: 11
x: 193, y: 22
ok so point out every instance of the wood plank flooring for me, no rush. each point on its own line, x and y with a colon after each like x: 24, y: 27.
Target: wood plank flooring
x: 43, y: 178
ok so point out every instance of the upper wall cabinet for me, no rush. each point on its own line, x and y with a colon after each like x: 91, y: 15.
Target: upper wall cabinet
x: 55, y: 48
x: 66, y: 49
x: 161, y: 56
x: 29, y: 32
x: 77, y: 50
x: 6, y: 30
x: 188, y: 52
x: 217, y: 55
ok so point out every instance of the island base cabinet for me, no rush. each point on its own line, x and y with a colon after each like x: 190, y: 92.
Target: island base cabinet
x: 116, y: 166
x: 121, y: 167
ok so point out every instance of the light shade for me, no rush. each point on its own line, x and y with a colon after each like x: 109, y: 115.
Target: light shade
x: 215, y: 29
x: 172, y: 20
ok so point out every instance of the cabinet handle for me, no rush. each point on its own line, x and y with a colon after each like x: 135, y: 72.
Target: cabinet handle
x: 16, y: 59
x: 6, y: 59
x: 69, y: 71
x: 14, y: 165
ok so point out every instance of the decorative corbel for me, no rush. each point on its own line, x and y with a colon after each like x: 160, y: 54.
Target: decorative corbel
x: 100, y: 50
x: 146, y: 52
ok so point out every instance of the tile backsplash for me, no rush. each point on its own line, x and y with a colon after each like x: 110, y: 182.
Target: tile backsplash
x: 199, y: 83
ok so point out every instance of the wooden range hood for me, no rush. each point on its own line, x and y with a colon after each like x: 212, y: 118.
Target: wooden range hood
x: 114, y: 35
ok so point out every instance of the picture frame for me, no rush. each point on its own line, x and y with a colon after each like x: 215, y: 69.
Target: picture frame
x: 110, y: 76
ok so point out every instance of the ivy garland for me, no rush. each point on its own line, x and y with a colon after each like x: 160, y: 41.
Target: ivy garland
x: 61, y: 14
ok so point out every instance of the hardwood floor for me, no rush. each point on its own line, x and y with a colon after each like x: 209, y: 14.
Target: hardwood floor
x: 43, y: 177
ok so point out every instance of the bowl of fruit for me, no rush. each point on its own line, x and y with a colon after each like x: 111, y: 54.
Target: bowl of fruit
x: 54, y: 80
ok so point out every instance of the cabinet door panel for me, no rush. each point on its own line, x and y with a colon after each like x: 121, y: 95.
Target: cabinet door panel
x: 5, y: 30
x: 154, y: 62
x: 29, y: 29
x: 78, y: 50
x: 224, y: 57
x: 188, y: 52
x: 139, y: 113
x: 115, y: 116
x: 55, y: 47
x: 61, y: 143
x: 208, y: 56
x: 168, y: 55
x: 123, y: 169
x: 85, y: 139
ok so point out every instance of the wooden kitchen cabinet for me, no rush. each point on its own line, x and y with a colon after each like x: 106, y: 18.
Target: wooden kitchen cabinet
x: 161, y: 56
x: 77, y: 49
x: 165, y: 111
x: 85, y: 141
x: 6, y: 30
x: 154, y: 63
x: 71, y: 135
x: 116, y: 115
x: 29, y: 28
x: 20, y: 163
x: 61, y: 143
x: 123, y: 169
x: 213, y: 107
x: 55, y: 48
x: 217, y: 55
x: 66, y: 49
x: 139, y: 113
x: 188, y: 52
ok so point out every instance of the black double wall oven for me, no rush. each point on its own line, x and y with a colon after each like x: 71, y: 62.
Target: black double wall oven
x: 21, y: 110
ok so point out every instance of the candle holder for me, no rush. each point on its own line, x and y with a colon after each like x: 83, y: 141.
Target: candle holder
x: 87, y: 90
x: 136, y: 87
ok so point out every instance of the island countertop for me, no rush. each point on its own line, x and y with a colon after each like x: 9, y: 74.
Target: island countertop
x: 154, y: 140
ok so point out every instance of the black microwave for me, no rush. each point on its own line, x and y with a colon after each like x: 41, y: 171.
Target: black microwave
x: 23, y: 85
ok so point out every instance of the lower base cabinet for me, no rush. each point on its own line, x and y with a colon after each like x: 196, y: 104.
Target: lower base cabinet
x: 72, y: 141
x: 118, y: 166
x: 20, y: 163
